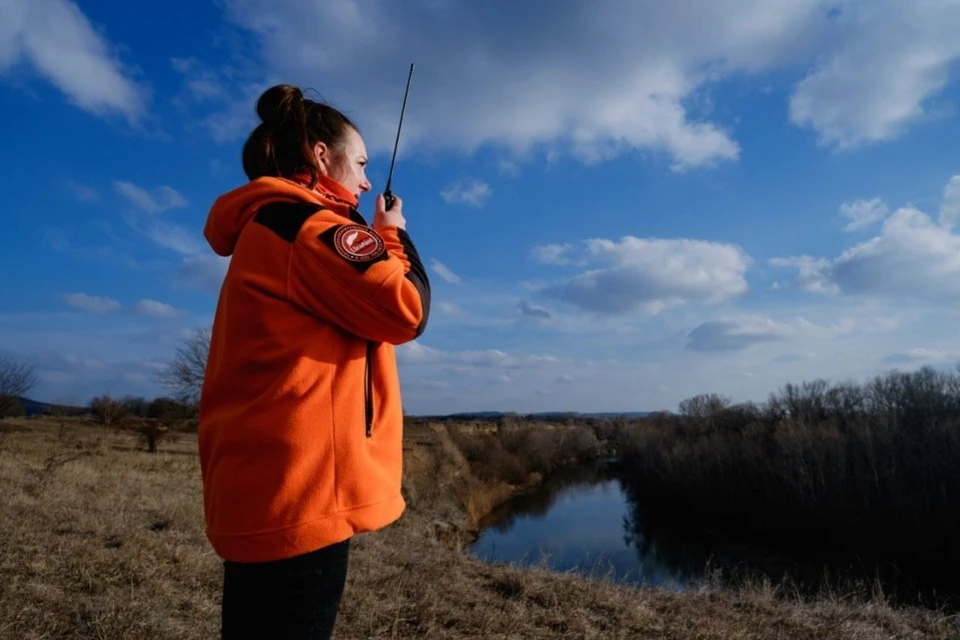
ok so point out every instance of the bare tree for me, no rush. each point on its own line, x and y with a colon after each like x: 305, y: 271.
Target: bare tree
x: 703, y: 405
x: 184, y: 373
x: 16, y: 381
x: 107, y: 411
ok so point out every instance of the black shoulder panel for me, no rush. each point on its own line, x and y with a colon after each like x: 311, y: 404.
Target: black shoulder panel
x: 418, y: 276
x: 285, y: 218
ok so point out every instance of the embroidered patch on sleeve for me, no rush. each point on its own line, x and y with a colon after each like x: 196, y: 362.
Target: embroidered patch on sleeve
x: 360, y: 245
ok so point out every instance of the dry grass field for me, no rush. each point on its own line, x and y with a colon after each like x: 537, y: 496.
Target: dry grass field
x: 101, y: 539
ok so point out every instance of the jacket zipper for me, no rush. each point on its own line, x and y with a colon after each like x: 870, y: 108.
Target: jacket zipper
x: 368, y: 390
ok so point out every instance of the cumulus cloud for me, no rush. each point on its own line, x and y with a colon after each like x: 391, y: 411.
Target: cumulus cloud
x: 444, y: 272
x: 479, y: 54
x: 912, y: 256
x: 471, y: 192
x: 812, y: 274
x: 653, y: 274
x: 93, y: 304
x: 887, y: 58
x: 162, y: 198
x: 156, y: 309
x: 739, y: 334
x: 863, y: 213
x: 496, y: 73
x: 57, y: 41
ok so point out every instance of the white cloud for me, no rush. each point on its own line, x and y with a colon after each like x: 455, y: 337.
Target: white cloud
x: 449, y: 308
x: 444, y: 272
x: 812, y: 274
x: 58, y: 42
x: 912, y: 256
x: 93, y: 304
x: 558, y: 254
x: 653, y: 274
x: 200, y: 268
x: 156, y: 309
x: 744, y: 332
x: 950, y: 206
x: 472, y: 192
x: 886, y: 59
x: 863, y: 213
x: 172, y: 237
x: 162, y: 198
x: 498, y: 74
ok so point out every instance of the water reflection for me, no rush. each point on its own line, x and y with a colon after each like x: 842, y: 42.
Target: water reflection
x: 581, y: 520
x: 586, y: 520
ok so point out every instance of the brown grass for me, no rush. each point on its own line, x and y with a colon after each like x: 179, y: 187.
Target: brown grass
x: 101, y: 539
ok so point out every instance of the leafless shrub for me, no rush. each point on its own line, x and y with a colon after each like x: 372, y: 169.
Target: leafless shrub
x: 17, y: 379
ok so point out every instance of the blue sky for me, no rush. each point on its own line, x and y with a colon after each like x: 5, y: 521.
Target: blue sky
x: 620, y: 204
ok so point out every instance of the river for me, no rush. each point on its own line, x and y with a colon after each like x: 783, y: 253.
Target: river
x: 582, y: 520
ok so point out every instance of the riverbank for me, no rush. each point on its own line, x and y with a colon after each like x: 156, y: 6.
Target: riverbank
x: 104, y: 540
x: 857, y: 475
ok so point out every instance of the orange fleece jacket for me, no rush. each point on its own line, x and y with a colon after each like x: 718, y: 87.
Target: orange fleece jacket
x: 300, y: 430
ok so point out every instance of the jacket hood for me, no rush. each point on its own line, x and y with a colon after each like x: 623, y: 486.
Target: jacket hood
x: 234, y: 209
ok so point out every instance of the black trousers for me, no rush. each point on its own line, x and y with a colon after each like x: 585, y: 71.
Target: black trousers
x: 292, y: 599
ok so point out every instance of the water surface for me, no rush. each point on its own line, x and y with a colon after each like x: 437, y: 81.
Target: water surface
x: 582, y: 521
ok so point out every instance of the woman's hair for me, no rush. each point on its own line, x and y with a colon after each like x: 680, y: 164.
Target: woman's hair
x: 291, y: 125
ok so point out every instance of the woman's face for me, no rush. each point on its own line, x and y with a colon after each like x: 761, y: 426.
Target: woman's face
x: 346, y: 165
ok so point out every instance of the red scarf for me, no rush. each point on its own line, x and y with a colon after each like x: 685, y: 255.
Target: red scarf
x: 326, y: 186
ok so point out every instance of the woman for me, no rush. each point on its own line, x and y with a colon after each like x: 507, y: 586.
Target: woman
x: 300, y: 413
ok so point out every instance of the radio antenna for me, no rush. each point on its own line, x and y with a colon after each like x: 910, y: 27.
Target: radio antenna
x: 387, y: 194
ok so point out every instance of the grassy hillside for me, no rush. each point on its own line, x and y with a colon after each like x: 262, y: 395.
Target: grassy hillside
x: 104, y: 540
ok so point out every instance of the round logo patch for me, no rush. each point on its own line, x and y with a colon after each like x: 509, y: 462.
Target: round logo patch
x: 358, y: 243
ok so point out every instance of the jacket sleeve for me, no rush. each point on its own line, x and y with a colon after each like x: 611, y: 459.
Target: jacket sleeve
x: 371, y: 283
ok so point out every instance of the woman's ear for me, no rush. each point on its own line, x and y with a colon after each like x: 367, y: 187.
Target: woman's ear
x: 322, y: 153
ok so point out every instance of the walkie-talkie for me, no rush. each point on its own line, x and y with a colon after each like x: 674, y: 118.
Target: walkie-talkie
x: 387, y: 194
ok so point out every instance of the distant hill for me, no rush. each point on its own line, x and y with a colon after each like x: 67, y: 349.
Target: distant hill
x: 547, y: 415
x: 36, y: 408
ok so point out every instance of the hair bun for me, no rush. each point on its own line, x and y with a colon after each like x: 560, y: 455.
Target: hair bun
x: 277, y: 102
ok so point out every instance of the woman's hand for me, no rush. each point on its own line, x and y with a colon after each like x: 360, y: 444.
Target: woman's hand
x: 384, y: 218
